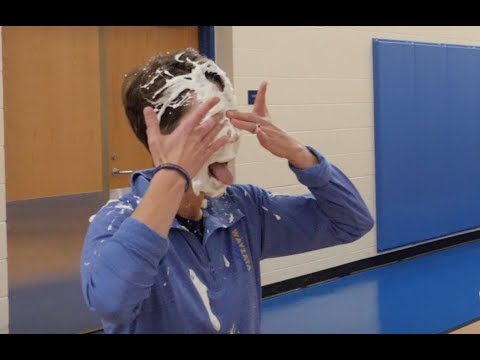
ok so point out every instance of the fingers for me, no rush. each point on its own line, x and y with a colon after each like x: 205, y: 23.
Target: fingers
x: 244, y: 125
x: 212, y: 134
x: 213, y: 147
x: 204, y: 128
x: 196, y: 115
x: 250, y: 117
x: 259, y: 107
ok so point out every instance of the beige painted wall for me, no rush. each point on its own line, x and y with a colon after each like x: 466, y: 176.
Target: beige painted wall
x: 321, y: 91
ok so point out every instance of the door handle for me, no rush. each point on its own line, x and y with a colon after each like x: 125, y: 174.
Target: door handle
x: 115, y: 171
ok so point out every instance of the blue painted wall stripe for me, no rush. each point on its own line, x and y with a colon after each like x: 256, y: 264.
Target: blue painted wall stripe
x: 206, y: 41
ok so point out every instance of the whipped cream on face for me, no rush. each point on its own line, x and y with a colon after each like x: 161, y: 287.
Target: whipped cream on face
x: 204, y: 89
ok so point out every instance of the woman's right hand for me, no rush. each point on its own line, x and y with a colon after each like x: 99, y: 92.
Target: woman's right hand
x: 191, y: 144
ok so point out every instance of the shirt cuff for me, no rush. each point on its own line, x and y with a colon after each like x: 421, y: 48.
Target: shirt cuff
x: 315, y: 176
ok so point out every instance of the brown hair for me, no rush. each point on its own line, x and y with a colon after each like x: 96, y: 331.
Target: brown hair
x: 134, y: 96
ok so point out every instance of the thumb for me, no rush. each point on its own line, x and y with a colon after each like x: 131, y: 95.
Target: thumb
x: 152, y: 123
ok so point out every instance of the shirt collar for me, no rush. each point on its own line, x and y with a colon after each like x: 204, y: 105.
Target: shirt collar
x: 140, y: 180
x: 220, y: 212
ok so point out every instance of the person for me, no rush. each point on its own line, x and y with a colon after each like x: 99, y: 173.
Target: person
x: 181, y: 252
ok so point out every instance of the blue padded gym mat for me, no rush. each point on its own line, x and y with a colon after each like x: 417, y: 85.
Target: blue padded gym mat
x: 427, y: 140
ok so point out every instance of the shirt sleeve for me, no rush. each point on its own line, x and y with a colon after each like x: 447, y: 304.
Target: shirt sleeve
x: 332, y: 214
x: 120, y: 258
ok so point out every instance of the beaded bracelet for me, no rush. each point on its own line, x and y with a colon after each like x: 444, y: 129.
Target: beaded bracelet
x: 177, y: 168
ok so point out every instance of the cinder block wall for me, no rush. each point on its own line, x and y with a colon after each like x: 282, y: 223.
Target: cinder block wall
x: 321, y: 91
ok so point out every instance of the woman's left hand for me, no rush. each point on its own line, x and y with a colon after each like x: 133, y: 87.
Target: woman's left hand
x: 271, y: 137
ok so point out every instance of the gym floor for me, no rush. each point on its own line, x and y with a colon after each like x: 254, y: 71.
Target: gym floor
x: 437, y: 292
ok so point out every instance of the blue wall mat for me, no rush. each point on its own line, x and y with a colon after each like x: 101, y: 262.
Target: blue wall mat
x: 427, y: 140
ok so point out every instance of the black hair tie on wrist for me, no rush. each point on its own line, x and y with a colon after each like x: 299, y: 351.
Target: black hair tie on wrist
x: 177, y: 168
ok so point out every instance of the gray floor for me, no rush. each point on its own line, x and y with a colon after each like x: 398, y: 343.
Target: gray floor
x: 45, y: 238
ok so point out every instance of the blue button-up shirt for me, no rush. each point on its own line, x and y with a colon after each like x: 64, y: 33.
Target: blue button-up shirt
x: 138, y: 281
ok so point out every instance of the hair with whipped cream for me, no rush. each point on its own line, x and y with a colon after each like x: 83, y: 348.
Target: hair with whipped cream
x: 168, y: 84
x: 149, y: 85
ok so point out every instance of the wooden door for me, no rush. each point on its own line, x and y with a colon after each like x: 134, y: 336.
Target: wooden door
x: 126, y: 48
x: 51, y: 111
x: 59, y: 82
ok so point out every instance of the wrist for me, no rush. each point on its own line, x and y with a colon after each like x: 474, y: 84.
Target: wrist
x: 303, y: 158
x: 173, y: 173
